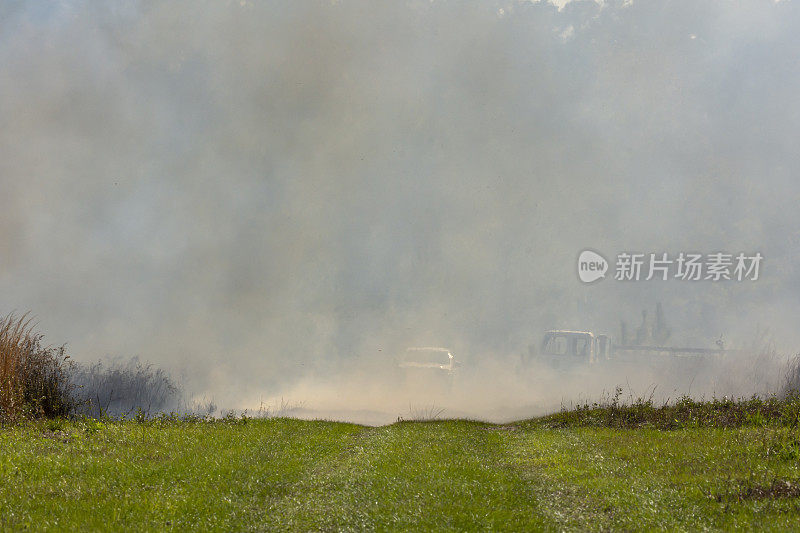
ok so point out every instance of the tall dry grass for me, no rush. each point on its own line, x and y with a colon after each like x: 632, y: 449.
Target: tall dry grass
x: 119, y: 387
x: 34, y: 379
x: 14, y: 342
x: 792, y: 380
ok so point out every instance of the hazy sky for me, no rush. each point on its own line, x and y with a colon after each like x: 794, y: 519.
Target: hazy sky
x: 247, y: 190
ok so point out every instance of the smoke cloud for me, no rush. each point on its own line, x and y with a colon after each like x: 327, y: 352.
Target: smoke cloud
x: 264, y: 195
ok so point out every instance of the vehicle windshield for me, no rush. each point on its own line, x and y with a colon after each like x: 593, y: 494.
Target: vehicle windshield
x: 567, y: 344
x: 555, y: 345
x: 582, y: 345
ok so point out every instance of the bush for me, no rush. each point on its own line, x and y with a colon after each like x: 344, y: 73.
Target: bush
x: 120, y: 388
x: 39, y: 381
x: 772, y: 410
x: 791, y: 383
x: 34, y: 379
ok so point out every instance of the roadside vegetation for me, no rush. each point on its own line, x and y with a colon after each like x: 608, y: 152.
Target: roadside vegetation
x: 783, y: 410
x: 34, y: 379
x: 118, y: 388
x: 42, y: 381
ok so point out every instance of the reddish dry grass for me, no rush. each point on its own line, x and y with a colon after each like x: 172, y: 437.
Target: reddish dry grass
x: 33, y: 378
x: 15, y: 341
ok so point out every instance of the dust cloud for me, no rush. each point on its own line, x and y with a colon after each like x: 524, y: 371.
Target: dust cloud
x: 277, y: 199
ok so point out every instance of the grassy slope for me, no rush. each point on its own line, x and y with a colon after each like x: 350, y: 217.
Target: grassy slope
x: 291, y: 474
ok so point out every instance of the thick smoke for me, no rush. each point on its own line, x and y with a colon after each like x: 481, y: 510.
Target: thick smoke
x: 258, y: 194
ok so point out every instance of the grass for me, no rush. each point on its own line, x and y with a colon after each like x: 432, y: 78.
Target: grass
x: 283, y: 474
x: 33, y: 378
x: 121, y: 387
x: 15, y: 343
x: 686, y: 412
x: 39, y: 381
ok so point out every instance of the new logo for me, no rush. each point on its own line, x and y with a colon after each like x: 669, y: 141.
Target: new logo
x: 591, y: 266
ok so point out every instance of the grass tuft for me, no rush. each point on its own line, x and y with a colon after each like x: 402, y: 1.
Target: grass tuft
x: 783, y: 411
x: 33, y: 378
x: 122, y: 388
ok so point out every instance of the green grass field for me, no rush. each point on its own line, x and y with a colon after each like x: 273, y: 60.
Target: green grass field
x: 546, y: 474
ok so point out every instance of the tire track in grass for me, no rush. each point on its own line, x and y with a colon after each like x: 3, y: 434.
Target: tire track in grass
x: 266, y: 464
x: 447, y: 475
x: 594, y: 479
x: 190, y: 476
x: 606, y: 479
x: 548, y: 461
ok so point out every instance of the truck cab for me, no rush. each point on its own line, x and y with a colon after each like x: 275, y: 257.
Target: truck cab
x: 566, y: 344
x: 561, y: 348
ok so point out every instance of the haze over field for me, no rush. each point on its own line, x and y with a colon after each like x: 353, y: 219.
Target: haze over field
x: 267, y: 196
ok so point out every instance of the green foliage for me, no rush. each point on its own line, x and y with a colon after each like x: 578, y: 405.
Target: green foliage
x: 686, y: 412
x: 785, y: 444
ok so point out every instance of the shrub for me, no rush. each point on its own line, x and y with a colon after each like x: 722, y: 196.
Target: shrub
x: 771, y: 410
x: 34, y: 379
x: 120, y: 388
x: 791, y: 383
